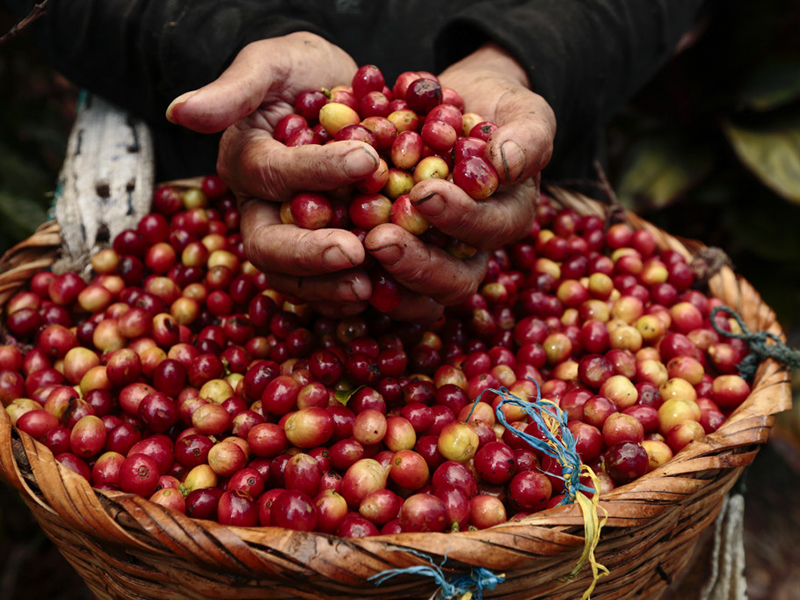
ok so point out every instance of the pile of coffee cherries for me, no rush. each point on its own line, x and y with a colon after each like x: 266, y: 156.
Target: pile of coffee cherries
x: 420, y: 131
x: 174, y: 372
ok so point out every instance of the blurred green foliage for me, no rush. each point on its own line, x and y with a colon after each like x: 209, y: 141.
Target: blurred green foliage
x: 37, y: 109
x: 710, y: 149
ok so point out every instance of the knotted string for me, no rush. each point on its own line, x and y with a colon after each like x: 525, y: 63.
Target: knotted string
x: 559, y: 443
x: 460, y: 588
x: 762, y: 344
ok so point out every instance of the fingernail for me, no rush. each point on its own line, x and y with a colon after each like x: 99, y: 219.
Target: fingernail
x: 431, y: 205
x: 173, y: 110
x: 359, y: 163
x: 388, y: 255
x: 513, y: 157
x: 336, y: 259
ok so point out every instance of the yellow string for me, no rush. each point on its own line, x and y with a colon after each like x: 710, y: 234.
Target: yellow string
x: 592, y: 525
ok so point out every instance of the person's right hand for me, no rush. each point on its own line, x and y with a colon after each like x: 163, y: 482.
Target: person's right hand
x: 247, y: 101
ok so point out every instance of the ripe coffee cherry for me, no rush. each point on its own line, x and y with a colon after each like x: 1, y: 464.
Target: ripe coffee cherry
x: 409, y: 470
x: 368, y: 78
x: 308, y: 103
x: 423, y: 512
x: 495, y: 463
x: 380, y: 506
x: 529, y: 491
x: 139, y: 474
x: 422, y: 95
x: 289, y: 125
x: 236, y: 507
x: 362, y: 478
x: 625, y: 462
x: 482, y: 130
x: 386, y: 292
x: 486, y: 511
x: 310, y: 210
x: 476, y: 177
x: 356, y: 526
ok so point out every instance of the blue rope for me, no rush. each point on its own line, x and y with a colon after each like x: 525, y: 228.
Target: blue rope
x: 762, y: 345
x: 559, y: 443
x: 478, y: 579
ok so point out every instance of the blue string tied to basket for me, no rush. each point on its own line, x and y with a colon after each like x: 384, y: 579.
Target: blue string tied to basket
x: 560, y: 444
x: 762, y: 344
x: 463, y: 587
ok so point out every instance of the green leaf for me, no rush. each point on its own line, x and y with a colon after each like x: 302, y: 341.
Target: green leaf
x: 659, y: 170
x: 772, y: 153
x: 771, y: 85
x: 343, y: 396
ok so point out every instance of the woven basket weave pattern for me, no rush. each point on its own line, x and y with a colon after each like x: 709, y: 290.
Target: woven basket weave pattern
x: 127, y: 547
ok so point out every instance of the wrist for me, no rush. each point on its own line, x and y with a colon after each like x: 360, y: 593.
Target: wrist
x: 493, y: 58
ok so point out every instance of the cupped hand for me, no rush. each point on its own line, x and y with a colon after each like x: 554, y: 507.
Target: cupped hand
x: 247, y: 101
x: 493, y: 85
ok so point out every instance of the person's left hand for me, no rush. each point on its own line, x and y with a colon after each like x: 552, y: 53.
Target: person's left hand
x: 493, y: 85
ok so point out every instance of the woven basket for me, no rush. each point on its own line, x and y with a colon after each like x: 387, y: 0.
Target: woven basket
x: 127, y: 547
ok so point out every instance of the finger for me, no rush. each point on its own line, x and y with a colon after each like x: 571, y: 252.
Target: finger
x: 274, y: 247
x: 425, y: 269
x: 256, y: 165
x: 342, y: 288
x: 523, y: 143
x: 267, y: 70
x: 503, y: 218
x: 236, y: 93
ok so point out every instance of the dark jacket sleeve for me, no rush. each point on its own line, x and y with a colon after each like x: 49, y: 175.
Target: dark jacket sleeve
x: 587, y: 58
x: 142, y: 54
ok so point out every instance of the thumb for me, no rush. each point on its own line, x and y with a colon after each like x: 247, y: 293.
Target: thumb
x: 523, y: 143
x: 238, y: 92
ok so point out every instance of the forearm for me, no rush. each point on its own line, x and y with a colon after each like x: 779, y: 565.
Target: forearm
x: 586, y: 58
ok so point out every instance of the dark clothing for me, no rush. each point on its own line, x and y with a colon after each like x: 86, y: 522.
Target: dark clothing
x: 585, y: 57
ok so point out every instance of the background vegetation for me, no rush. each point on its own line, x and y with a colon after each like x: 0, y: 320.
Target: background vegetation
x: 710, y: 150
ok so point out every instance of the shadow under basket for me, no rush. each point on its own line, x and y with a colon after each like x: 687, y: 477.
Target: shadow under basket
x: 127, y: 547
